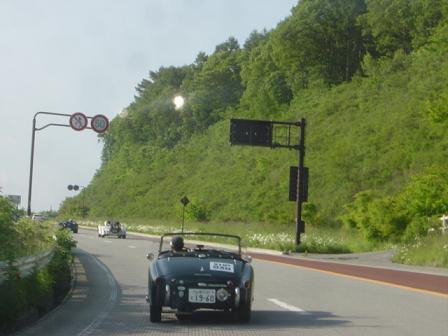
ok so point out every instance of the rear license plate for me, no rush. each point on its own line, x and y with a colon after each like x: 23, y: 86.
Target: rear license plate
x: 201, y: 295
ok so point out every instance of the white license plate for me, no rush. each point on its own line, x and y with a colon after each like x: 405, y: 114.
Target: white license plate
x: 201, y: 295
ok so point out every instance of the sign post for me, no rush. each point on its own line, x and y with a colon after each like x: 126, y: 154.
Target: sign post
x: 184, y: 200
x: 77, y: 121
x: 263, y: 133
x: 15, y: 199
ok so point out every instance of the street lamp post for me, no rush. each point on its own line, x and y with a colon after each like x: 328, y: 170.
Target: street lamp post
x: 78, y: 122
x: 30, y: 184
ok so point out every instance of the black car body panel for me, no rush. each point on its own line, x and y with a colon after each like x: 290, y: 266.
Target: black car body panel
x: 200, y: 278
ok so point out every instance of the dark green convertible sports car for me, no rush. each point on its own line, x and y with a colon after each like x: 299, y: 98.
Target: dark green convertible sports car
x: 188, y: 278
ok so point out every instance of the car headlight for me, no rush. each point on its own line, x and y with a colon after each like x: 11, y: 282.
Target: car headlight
x: 167, y: 295
x: 222, y: 294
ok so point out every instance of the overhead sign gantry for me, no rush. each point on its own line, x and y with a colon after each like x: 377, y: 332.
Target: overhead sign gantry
x: 278, y: 134
x: 77, y: 121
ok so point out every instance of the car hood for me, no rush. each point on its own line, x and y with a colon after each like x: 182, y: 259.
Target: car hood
x: 199, y: 268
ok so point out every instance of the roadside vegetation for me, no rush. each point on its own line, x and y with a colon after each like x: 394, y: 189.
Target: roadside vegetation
x: 371, y: 79
x: 263, y: 235
x: 20, y: 236
x: 25, y: 299
x: 431, y: 250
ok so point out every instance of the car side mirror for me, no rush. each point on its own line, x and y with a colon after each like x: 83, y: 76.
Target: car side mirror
x: 150, y: 256
x: 247, y: 258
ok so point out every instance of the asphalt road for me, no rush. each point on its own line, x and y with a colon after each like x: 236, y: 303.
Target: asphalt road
x: 109, y: 299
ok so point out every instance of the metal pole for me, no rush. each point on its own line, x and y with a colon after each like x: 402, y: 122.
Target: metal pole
x: 183, y: 217
x: 30, y: 184
x: 83, y: 204
x: 32, y: 147
x: 300, y: 225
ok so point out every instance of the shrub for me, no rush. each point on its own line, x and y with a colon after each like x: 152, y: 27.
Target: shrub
x: 42, y: 289
x: 408, y: 213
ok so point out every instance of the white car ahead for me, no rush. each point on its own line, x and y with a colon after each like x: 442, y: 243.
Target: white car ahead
x: 112, y: 228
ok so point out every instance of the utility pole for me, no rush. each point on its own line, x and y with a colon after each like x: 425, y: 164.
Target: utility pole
x: 300, y: 194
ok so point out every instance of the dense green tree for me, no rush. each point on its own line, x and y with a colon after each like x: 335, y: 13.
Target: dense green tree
x: 215, y: 86
x: 254, y: 39
x: 321, y: 40
x: 266, y: 87
x: 402, y: 24
x: 370, y: 137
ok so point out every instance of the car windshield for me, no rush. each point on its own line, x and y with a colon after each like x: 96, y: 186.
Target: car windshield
x: 195, y: 244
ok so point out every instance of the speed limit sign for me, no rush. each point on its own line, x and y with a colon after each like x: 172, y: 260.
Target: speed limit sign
x: 99, y: 123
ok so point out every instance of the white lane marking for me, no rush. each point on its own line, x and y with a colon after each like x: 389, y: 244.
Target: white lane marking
x: 132, y: 246
x: 109, y: 304
x: 107, y: 241
x: 288, y: 306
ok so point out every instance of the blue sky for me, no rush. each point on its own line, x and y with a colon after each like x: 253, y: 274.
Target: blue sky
x: 88, y: 56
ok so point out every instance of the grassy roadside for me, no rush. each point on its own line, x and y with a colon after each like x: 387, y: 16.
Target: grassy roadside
x: 427, y: 251
x: 263, y: 235
x: 431, y: 250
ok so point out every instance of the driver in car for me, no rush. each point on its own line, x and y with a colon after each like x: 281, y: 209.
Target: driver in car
x: 177, y: 244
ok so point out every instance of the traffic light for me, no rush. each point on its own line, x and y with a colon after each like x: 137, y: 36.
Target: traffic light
x: 251, y: 132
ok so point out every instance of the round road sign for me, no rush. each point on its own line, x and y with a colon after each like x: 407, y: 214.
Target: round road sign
x: 78, y: 121
x: 99, y: 123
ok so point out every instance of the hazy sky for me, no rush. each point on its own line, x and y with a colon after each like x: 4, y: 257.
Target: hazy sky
x: 88, y: 56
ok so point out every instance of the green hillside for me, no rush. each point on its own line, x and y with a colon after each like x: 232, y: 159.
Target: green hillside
x: 370, y: 77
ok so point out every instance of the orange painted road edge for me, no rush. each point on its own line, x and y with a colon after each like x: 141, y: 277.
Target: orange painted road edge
x: 421, y: 281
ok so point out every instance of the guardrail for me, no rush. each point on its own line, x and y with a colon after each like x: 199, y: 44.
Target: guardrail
x: 26, y: 265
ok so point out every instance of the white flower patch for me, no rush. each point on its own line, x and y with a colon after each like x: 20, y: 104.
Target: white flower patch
x: 221, y: 267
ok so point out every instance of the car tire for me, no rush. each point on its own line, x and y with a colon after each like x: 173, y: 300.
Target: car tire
x: 124, y: 237
x: 245, y: 311
x: 75, y: 231
x: 155, y: 313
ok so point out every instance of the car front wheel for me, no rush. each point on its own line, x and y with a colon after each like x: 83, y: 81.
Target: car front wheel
x: 245, y: 311
x: 155, y: 313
